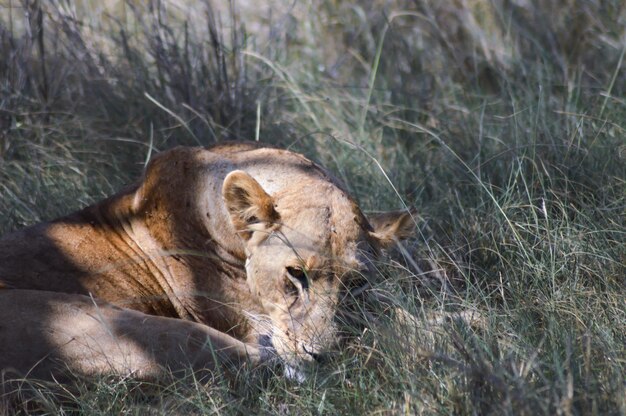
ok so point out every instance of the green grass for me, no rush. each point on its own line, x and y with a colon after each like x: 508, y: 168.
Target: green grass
x: 503, y: 125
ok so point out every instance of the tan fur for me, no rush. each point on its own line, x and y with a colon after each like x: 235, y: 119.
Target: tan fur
x: 206, y: 236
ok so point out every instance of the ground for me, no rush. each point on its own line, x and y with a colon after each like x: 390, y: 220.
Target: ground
x: 502, y: 123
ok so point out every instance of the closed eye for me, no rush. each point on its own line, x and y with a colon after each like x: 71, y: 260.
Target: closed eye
x: 298, y: 275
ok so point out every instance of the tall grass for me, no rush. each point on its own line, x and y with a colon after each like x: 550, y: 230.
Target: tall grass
x: 502, y: 122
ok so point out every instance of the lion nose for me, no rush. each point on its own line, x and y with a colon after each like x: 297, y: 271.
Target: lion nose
x: 319, y: 358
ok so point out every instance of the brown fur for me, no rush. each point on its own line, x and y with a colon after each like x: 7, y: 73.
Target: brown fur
x: 207, y: 236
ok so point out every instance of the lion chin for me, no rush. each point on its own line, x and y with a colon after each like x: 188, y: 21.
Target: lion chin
x: 188, y: 267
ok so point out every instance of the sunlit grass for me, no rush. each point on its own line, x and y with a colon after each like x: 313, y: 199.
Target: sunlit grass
x: 502, y: 126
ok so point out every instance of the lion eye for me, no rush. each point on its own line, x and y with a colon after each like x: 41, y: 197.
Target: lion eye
x: 298, y: 275
x: 290, y: 287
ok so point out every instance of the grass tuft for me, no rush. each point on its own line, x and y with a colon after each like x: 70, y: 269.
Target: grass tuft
x: 501, y: 122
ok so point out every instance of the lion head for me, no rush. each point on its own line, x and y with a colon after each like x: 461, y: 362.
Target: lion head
x: 307, y: 247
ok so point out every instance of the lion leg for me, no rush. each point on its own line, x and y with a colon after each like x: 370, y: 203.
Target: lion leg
x: 55, y: 335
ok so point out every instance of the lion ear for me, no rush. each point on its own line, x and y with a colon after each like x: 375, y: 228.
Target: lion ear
x: 247, y: 203
x: 392, y: 226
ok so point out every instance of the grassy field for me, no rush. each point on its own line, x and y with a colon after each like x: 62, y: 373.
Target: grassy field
x: 502, y: 122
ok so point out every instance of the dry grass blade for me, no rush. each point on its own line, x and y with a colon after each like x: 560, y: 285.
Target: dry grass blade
x: 501, y: 122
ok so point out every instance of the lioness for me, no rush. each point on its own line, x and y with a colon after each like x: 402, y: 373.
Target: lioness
x: 216, y: 255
